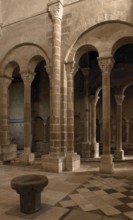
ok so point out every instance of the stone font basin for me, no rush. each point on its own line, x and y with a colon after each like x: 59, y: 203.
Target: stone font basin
x: 29, y: 187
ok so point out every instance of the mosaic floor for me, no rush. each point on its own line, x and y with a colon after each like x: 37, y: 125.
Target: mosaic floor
x: 83, y: 195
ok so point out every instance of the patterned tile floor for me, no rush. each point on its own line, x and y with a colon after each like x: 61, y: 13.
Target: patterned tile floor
x: 83, y: 195
x: 110, y: 196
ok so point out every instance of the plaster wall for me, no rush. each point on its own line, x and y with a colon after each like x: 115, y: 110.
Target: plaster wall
x: 15, y: 10
x: 94, y: 12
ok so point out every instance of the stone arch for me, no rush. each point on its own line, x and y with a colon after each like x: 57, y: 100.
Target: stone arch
x: 34, y: 61
x: 88, y: 28
x: 102, y: 18
x: 79, y: 49
x: 9, y: 68
x: 121, y: 41
x: 28, y: 54
x: 82, y: 49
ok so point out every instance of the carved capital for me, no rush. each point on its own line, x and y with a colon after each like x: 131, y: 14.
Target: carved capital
x: 105, y: 64
x: 55, y: 8
x: 71, y: 67
x: 119, y: 99
x: 27, y: 77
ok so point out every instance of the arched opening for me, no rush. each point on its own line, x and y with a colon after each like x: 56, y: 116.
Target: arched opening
x: 128, y: 115
x: 16, y: 110
x: 121, y: 78
x: 87, y: 80
x: 40, y: 110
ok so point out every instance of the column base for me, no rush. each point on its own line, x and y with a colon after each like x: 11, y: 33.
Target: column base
x: 72, y: 162
x: 52, y: 164
x: 85, y: 150
x: 26, y: 158
x: 119, y: 154
x: 8, y: 152
x: 95, y: 150
x: 106, y: 164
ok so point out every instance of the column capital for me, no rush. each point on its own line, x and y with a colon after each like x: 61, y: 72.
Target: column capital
x: 119, y: 99
x: 106, y: 64
x: 55, y: 9
x: 27, y: 77
x: 71, y: 67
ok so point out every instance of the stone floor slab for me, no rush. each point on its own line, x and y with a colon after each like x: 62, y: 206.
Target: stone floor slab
x: 78, y: 215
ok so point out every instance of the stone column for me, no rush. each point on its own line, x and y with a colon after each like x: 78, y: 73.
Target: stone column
x: 27, y: 157
x: 86, y: 142
x: 119, y: 153
x: 106, y: 64
x: 127, y: 131
x: 55, y: 160
x: 94, y: 145
x: 72, y: 158
x: 7, y: 151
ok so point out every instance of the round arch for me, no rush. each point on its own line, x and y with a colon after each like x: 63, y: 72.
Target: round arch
x: 80, y: 50
x: 27, y: 54
x: 10, y: 67
x: 121, y: 41
x: 34, y: 61
x: 95, y: 41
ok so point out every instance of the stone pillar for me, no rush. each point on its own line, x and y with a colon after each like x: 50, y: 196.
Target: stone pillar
x: 86, y: 142
x: 8, y: 151
x: 119, y: 153
x: 94, y: 153
x: 55, y: 160
x: 106, y: 64
x: 72, y: 158
x: 27, y: 157
x: 127, y: 131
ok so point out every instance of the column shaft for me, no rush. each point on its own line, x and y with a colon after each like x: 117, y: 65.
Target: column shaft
x: 94, y: 144
x: 70, y: 113
x: 106, y: 64
x: 119, y: 153
x: 55, y: 111
x: 27, y: 157
x: 127, y: 131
